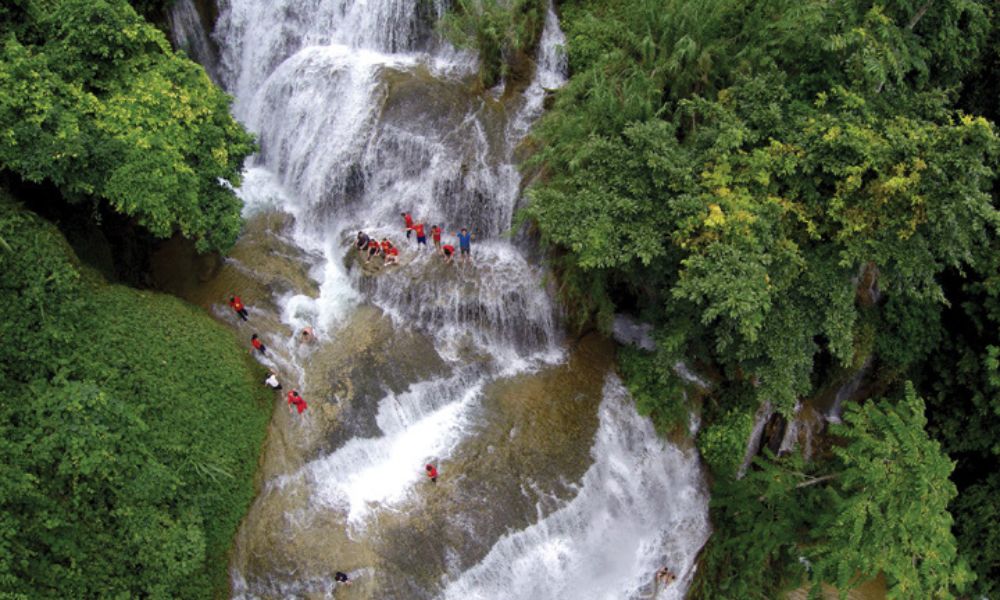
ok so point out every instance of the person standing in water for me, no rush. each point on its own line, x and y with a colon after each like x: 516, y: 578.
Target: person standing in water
x: 257, y: 344
x: 465, y: 244
x: 409, y: 223
x: 421, y: 236
x: 237, y: 305
x: 436, y: 236
x: 432, y: 473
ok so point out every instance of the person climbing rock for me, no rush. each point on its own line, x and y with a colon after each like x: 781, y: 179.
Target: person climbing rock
x: 436, y: 236
x: 392, y: 256
x: 421, y: 236
x: 385, y: 245
x: 294, y: 399
x: 432, y: 473
x: 257, y: 344
x: 237, y: 305
x: 342, y: 577
x: 373, y: 249
x: 409, y: 223
x: 465, y: 243
x: 272, y: 381
x: 448, y: 251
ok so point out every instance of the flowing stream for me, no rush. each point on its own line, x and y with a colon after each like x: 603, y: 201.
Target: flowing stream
x: 551, y: 485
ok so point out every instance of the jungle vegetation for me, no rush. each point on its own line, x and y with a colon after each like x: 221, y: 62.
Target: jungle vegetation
x: 794, y: 193
x: 125, y: 464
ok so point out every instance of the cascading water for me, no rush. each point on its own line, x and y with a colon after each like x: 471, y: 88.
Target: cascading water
x: 361, y: 112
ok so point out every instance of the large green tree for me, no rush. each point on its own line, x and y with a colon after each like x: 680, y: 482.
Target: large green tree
x: 878, y: 507
x: 94, y: 100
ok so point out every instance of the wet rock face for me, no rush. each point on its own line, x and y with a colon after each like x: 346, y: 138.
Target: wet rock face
x: 262, y: 266
x: 370, y: 358
x: 542, y: 424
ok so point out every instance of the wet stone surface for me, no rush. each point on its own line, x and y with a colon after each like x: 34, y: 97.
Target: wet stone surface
x: 530, y: 449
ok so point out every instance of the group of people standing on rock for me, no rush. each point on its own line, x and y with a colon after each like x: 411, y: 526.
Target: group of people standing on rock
x: 295, y: 401
x: 390, y: 254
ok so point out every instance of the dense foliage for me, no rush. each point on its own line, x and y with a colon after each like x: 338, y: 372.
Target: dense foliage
x: 504, y: 33
x: 793, y: 192
x: 878, y: 506
x: 94, y: 101
x: 129, y: 431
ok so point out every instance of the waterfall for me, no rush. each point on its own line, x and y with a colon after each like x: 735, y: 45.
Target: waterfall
x: 188, y: 34
x: 361, y: 113
x: 609, y: 540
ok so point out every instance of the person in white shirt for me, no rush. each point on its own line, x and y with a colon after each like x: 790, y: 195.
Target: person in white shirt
x: 272, y: 381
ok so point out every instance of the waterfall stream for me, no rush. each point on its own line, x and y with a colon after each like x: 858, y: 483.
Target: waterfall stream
x: 551, y: 485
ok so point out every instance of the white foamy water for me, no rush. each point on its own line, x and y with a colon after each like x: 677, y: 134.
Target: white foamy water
x: 362, y: 112
x: 642, y: 505
x: 378, y: 473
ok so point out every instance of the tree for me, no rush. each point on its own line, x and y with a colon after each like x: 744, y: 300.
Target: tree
x: 93, y: 100
x: 879, y: 507
x: 889, y: 506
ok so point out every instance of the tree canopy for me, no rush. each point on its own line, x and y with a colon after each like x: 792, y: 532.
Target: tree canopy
x: 94, y: 101
x: 794, y: 193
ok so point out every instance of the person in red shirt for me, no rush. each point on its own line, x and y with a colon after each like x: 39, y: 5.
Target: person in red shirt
x: 294, y: 399
x: 373, y: 248
x: 436, y: 236
x: 392, y: 256
x: 257, y: 344
x: 409, y: 223
x: 432, y: 473
x: 386, y: 244
x: 447, y: 250
x: 421, y: 236
x: 237, y: 305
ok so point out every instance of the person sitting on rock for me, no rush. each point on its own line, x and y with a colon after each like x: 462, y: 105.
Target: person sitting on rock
x: 362, y: 243
x: 392, y: 256
x: 272, y: 381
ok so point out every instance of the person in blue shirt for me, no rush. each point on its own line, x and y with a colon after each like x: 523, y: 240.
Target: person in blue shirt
x: 464, y: 243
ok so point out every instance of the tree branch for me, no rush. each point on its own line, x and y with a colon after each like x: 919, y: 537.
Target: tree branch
x: 816, y: 480
x: 919, y: 15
